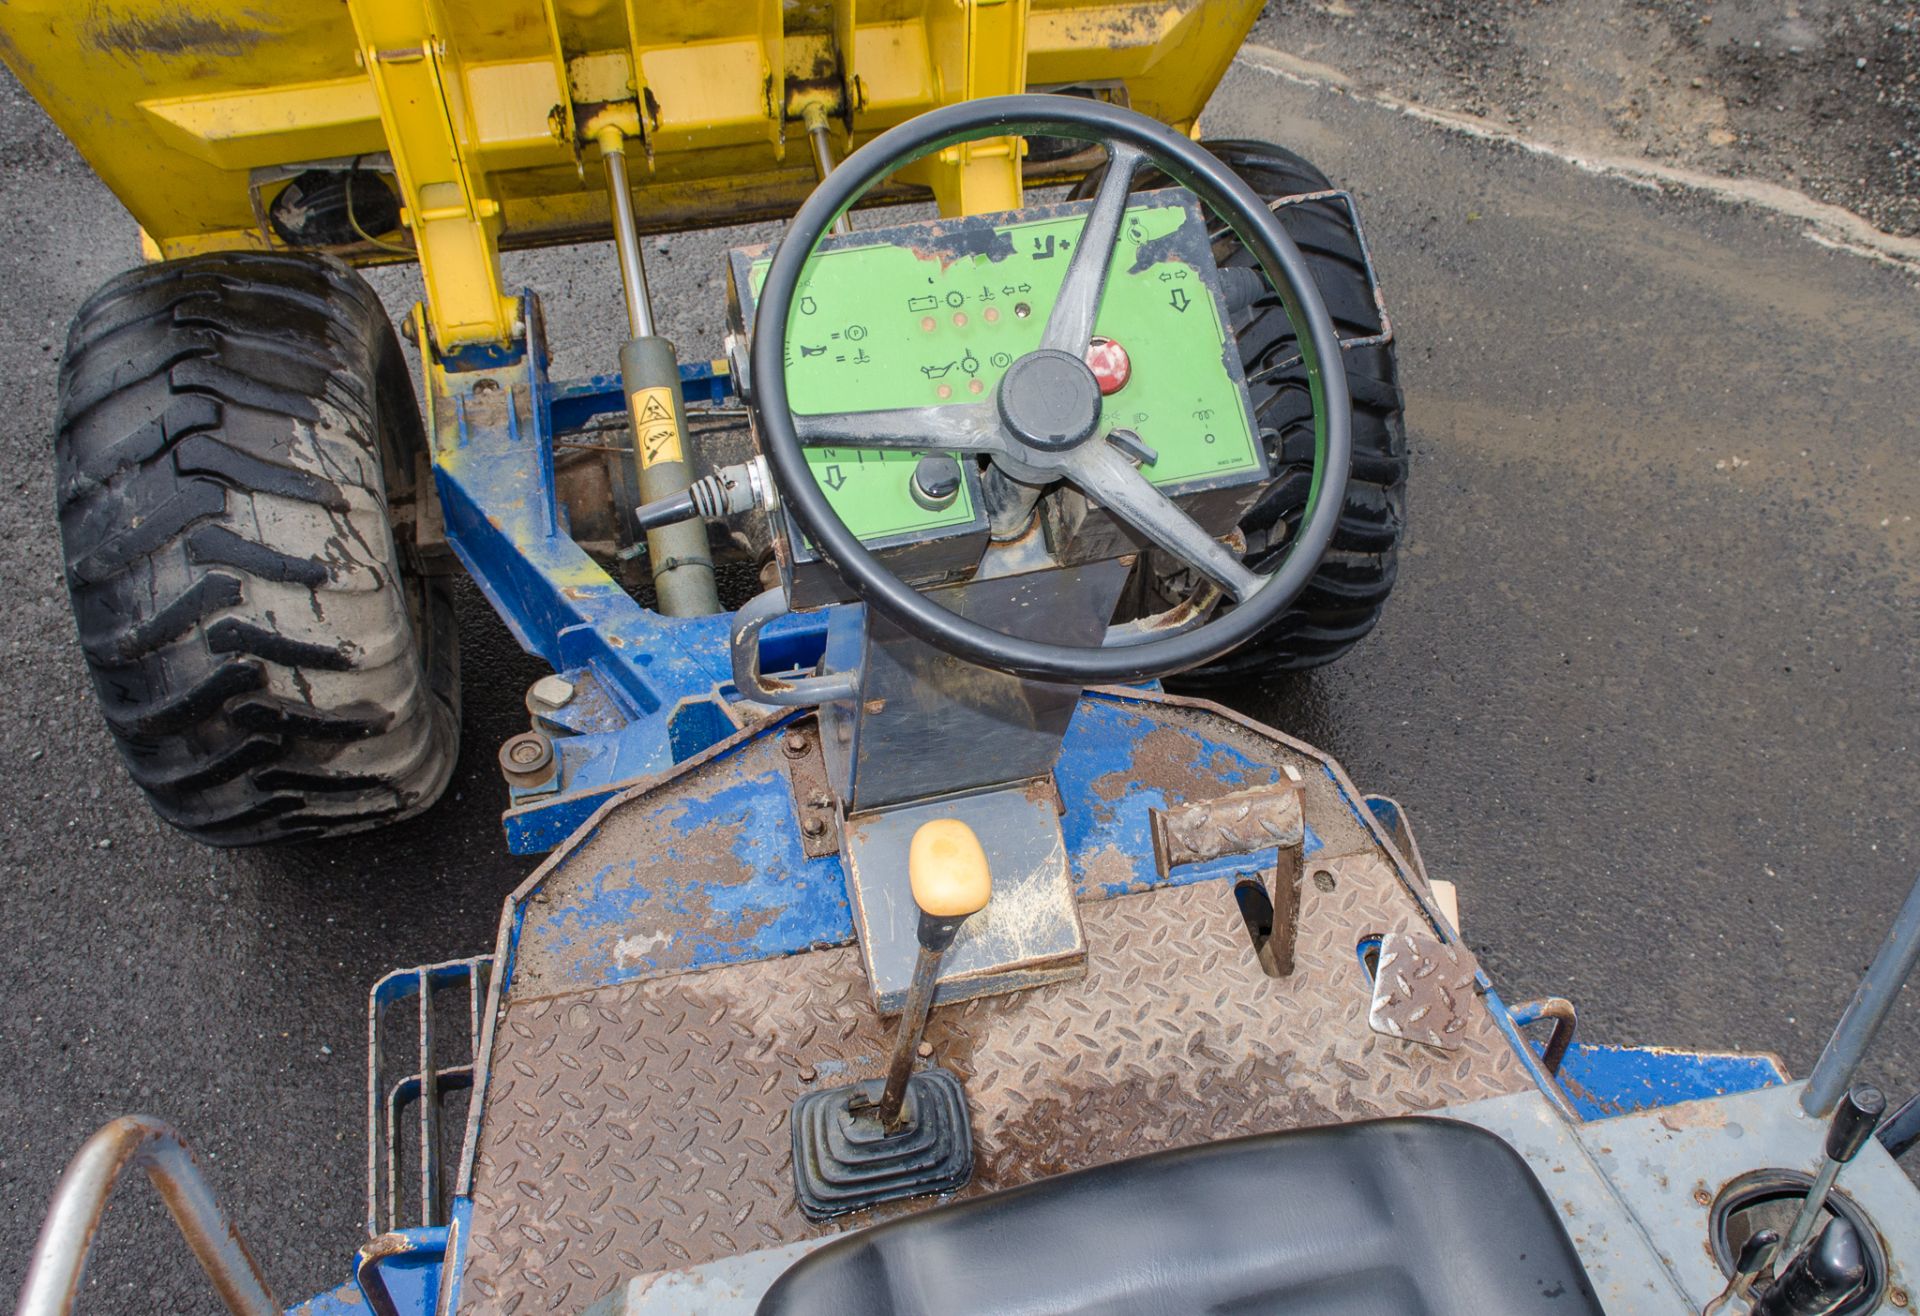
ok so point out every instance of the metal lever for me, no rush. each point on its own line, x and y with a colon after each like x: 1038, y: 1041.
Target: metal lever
x: 948, y: 872
x: 1854, y: 1120
x: 1753, y: 1259
x: 727, y: 492
x: 1820, y: 1280
x: 1899, y: 1133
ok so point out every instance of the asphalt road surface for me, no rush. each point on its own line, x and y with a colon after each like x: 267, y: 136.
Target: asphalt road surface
x: 1648, y: 685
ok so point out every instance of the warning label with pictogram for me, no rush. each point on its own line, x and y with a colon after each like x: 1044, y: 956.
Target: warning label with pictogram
x: 655, y: 430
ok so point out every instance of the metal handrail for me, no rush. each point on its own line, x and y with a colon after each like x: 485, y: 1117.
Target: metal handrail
x: 60, y: 1255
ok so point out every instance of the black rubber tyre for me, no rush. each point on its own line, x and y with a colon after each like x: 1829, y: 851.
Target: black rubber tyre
x: 236, y: 432
x: 1345, y: 597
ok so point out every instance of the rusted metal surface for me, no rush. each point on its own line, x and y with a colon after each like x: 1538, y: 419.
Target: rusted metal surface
x: 1565, y: 1019
x: 1337, y: 818
x: 704, y: 866
x: 813, y: 802
x: 643, y: 1126
x: 1424, y: 990
x: 1240, y: 823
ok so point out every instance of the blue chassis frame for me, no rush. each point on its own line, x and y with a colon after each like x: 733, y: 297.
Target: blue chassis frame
x: 661, y: 686
x: 655, y: 689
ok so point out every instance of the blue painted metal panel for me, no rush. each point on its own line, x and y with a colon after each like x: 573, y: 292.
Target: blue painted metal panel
x: 411, y: 1279
x: 1108, y: 845
x: 715, y: 876
x: 1600, y: 1082
x: 343, y: 1301
x: 1605, y: 1081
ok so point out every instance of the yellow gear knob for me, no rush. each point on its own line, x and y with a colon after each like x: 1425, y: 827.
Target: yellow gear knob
x: 948, y: 869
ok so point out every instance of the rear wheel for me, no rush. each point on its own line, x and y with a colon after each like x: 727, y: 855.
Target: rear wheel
x: 237, y: 439
x: 1345, y: 598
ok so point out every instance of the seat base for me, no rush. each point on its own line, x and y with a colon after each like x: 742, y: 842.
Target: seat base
x: 844, y: 1161
x: 1388, y: 1216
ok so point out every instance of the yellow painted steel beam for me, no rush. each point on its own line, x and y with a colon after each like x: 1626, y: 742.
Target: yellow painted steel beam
x: 977, y: 48
x: 445, y: 203
x: 195, y: 112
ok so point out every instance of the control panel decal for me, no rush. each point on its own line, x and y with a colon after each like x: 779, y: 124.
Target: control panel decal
x: 932, y: 314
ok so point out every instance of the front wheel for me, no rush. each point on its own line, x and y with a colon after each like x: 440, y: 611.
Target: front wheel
x: 1346, y: 595
x: 236, y: 433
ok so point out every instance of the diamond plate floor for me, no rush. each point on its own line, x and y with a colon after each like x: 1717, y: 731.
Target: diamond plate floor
x: 644, y: 1126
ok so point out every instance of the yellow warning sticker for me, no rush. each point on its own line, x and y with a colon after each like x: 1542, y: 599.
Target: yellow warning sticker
x: 656, y: 432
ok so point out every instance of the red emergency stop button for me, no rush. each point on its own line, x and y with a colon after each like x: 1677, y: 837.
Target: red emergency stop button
x: 1110, y: 365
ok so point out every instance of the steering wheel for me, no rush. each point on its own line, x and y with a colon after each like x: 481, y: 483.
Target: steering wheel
x: 1044, y: 423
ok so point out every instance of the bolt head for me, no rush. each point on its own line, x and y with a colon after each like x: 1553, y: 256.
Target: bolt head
x: 814, y: 827
x: 528, y: 752
x: 796, y: 744
x: 551, y: 692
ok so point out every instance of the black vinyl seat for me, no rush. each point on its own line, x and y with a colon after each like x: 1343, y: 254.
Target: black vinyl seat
x: 1414, y: 1217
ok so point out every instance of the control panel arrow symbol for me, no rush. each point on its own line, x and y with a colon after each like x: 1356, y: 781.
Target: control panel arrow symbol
x: 835, y: 478
x: 1179, y: 299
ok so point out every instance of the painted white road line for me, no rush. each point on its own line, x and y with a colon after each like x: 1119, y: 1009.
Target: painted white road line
x: 1828, y: 225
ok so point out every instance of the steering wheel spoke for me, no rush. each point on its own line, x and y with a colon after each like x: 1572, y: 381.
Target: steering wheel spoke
x: 1070, y: 326
x: 1104, y: 474
x: 965, y: 427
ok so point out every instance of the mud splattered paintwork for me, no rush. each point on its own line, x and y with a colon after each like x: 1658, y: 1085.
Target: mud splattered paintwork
x: 660, y: 683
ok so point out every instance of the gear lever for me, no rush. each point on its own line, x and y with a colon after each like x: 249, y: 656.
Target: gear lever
x: 947, y: 870
x: 1854, y: 1120
x: 1822, y: 1279
x: 1754, y: 1256
x: 908, y: 1135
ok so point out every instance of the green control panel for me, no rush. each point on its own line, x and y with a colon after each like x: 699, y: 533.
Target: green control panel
x: 932, y: 313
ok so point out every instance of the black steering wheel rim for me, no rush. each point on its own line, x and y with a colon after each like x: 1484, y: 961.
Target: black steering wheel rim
x: 1232, y: 201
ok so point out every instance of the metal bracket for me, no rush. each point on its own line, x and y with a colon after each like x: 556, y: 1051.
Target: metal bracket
x: 1244, y: 823
x: 813, y: 802
x: 800, y: 692
x: 419, y: 83
x: 422, y: 1086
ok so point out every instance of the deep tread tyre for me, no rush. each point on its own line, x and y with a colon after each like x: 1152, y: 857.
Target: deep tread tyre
x: 1344, y: 599
x: 235, y: 433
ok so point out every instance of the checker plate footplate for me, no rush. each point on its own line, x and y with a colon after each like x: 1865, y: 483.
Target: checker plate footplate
x: 644, y: 1126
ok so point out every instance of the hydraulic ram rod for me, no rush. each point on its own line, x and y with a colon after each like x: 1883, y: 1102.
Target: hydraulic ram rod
x: 650, y: 376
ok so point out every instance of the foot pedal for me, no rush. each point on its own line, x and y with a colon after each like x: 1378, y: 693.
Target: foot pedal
x: 844, y: 1161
